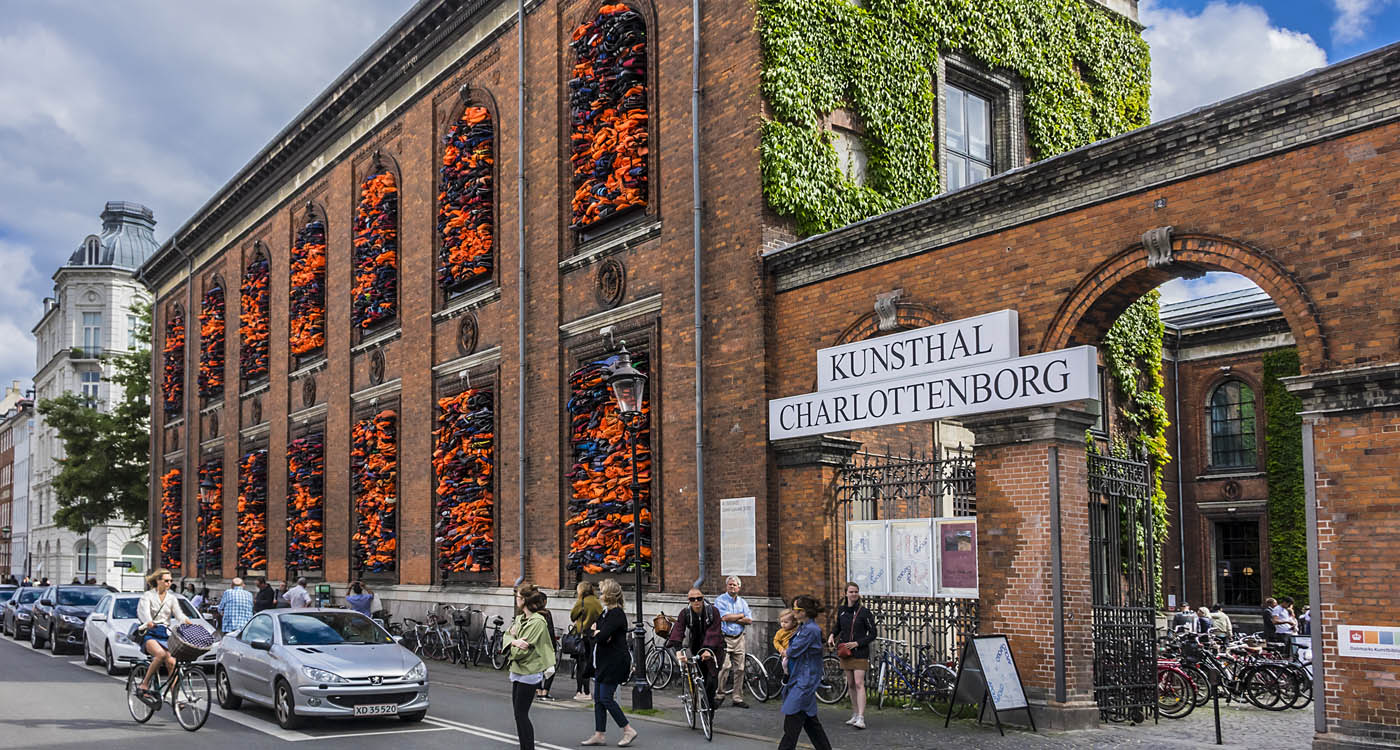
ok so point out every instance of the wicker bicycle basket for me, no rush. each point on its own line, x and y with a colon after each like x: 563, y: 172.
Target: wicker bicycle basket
x: 189, y: 642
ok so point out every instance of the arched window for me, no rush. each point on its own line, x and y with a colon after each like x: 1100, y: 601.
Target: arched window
x: 466, y: 220
x: 608, y: 116
x: 135, y: 554
x: 374, y: 290
x: 84, y: 559
x: 1231, y: 414
x: 211, y: 340
x: 253, y: 322
x: 173, y: 361
x: 171, y: 517
x: 308, y: 287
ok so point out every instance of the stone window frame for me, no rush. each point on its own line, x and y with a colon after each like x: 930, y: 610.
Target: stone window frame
x: 364, y: 166
x: 642, y: 334
x: 303, y: 213
x: 367, y: 410
x: 250, y: 254
x: 245, y: 447
x: 1207, y: 434
x: 484, y: 376
x: 296, y: 431
x: 450, y: 110
x: 580, y: 241
x: 1006, y: 93
x: 211, y: 281
x: 1211, y: 553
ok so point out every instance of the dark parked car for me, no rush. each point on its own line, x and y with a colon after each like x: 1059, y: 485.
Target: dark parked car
x: 60, y: 614
x: 17, y: 615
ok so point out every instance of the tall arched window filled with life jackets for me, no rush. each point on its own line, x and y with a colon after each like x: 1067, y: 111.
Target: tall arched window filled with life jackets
x: 466, y: 220
x: 172, y: 386
x: 374, y: 467
x: 252, y: 510
x: 253, y: 332
x: 600, y: 506
x: 464, y: 464
x: 171, y: 519
x: 608, y: 116
x: 211, y: 340
x: 306, y: 496
x: 211, y: 515
x: 374, y: 291
x: 307, y: 303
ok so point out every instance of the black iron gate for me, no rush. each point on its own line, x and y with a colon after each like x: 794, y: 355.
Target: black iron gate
x: 1122, y: 564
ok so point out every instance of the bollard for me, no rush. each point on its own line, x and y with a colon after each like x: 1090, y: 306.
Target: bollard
x: 1215, y: 697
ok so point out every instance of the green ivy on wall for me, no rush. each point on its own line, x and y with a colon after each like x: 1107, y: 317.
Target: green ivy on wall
x: 1084, y: 71
x: 1132, y: 352
x: 1283, y: 440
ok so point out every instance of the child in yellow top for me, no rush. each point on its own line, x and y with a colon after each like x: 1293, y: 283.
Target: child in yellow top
x: 787, y: 627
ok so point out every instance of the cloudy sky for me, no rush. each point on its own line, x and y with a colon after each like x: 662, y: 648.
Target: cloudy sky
x: 161, y: 102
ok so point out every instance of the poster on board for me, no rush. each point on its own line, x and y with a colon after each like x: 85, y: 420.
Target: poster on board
x: 987, y: 676
x: 957, y: 558
x: 911, y: 557
x: 738, y: 537
x: 867, y: 563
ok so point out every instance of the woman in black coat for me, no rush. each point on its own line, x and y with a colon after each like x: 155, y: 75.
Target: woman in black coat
x: 612, y: 665
x: 855, y: 630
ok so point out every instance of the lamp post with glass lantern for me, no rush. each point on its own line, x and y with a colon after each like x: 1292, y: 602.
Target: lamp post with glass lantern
x: 207, y: 488
x: 629, y: 387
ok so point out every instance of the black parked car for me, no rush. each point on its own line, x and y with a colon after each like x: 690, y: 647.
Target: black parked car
x: 60, y: 614
x: 17, y: 616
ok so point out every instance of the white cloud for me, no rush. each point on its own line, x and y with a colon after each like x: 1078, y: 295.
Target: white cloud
x: 1352, y: 19
x: 1226, y: 49
x: 1213, y: 283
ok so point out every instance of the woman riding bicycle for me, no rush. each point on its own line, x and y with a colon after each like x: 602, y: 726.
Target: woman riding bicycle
x: 157, y: 608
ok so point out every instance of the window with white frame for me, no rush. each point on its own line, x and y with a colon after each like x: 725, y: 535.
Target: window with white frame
x: 92, y: 333
x: 135, y: 554
x: 969, y: 137
x: 85, y: 559
x: 131, y: 322
x: 92, y: 379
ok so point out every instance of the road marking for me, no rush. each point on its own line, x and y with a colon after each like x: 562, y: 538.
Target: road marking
x: 488, y: 733
x: 370, y: 733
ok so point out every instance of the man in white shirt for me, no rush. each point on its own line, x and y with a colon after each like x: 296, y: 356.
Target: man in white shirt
x: 297, y: 596
x: 1283, y: 616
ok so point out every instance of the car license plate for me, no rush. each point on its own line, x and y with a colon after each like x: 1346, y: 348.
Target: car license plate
x: 377, y: 709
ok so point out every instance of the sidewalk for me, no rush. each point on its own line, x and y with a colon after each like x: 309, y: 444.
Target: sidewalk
x: 900, y: 729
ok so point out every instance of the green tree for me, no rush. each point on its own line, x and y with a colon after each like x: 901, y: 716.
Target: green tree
x: 106, y: 469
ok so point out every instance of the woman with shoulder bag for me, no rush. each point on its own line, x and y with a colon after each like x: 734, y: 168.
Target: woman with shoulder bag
x: 612, y: 663
x: 585, y: 612
x: 531, y: 654
x: 856, y: 626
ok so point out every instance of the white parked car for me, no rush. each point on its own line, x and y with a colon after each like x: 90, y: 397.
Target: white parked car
x: 105, y: 632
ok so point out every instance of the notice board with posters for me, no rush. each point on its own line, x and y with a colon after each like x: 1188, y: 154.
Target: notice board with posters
x: 738, y: 548
x: 911, y: 557
x: 956, y: 543
x: 867, y: 556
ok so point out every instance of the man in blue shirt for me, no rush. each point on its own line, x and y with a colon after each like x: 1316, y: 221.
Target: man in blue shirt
x: 236, y: 605
x: 734, y: 615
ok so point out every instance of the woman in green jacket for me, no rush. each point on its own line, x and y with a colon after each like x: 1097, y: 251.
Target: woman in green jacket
x: 587, y: 609
x: 531, y: 652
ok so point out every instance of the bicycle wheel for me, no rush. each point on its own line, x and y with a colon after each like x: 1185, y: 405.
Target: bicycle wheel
x: 1200, y: 684
x: 706, y: 712
x: 773, y: 669
x: 1175, y: 696
x: 688, y: 697
x: 937, y: 685
x: 140, y: 711
x: 498, y: 656
x: 1263, y: 686
x: 755, y: 679
x: 833, y: 686
x: 882, y: 685
x: 1305, y: 685
x: 190, y: 698
x: 661, y: 668
x: 476, y: 649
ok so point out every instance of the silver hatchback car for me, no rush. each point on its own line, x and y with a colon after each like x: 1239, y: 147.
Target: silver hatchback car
x: 320, y: 662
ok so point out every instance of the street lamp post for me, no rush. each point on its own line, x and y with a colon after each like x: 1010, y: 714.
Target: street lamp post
x: 207, y: 488
x: 629, y: 388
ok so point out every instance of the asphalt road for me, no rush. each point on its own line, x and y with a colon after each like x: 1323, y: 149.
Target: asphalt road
x: 57, y: 702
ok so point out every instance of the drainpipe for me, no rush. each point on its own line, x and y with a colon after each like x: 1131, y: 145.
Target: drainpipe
x: 1180, y: 495
x: 699, y: 304
x: 520, y: 285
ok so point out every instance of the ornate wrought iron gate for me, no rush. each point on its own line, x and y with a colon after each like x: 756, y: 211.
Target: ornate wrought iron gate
x: 1122, y: 562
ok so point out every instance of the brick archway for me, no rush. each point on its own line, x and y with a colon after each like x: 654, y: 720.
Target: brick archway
x: 1103, y: 294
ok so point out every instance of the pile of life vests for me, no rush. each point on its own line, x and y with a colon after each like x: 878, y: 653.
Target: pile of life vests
x: 211, y: 515
x: 306, y: 496
x: 600, y: 507
x: 171, y: 505
x: 173, y: 363
x: 374, y: 292
x: 608, y: 115
x: 252, y: 510
x: 466, y: 201
x: 374, y: 466
x: 308, y: 296
x: 211, y: 341
x: 253, y: 332
x: 464, y: 456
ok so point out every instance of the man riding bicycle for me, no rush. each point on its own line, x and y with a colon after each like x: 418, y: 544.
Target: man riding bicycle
x: 158, y: 606
x: 698, y: 627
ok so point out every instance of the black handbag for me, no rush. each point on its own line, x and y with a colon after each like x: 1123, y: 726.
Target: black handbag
x: 573, y: 644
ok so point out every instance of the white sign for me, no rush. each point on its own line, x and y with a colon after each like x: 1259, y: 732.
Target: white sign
x: 1032, y: 380
x: 911, y: 557
x: 984, y: 338
x: 738, y: 537
x: 867, y: 561
x: 999, y: 670
x: 1368, y: 642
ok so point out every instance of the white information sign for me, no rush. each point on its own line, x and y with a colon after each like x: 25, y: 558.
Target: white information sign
x: 1032, y: 380
x: 867, y: 560
x: 911, y: 557
x: 738, y: 545
x: 999, y: 670
x: 1368, y: 641
x: 984, y: 338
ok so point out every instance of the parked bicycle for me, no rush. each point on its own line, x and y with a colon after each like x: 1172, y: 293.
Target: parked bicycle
x: 926, y: 681
x: 833, y: 686
x: 660, y: 662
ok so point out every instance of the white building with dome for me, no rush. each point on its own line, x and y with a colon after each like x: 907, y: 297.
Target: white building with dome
x: 89, y: 315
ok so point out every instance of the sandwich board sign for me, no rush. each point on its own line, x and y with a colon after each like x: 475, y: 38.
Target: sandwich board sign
x: 987, y: 674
